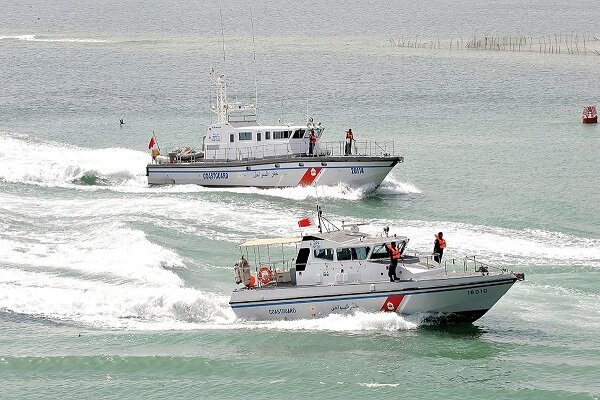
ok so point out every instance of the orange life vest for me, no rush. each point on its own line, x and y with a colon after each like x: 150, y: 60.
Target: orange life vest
x: 394, y: 250
x: 441, y: 241
x: 349, y: 136
x: 312, y: 138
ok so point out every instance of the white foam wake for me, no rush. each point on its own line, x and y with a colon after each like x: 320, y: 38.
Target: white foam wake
x: 27, y: 160
x: 495, y: 244
x: 360, y: 321
x: 35, y: 38
x: 103, y: 249
x: 100, y: 304
x: 392, y: 186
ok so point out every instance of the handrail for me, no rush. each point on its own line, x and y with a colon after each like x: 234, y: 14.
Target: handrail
x: 472, y: 263
x: 287, y: 150
x: 469, y: 263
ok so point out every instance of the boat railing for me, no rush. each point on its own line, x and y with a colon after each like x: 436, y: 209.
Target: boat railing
x: 471, y: 264
x: 466, y: 264
x: 287, y: 150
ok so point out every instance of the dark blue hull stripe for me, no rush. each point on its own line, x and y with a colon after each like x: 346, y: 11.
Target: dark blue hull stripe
x: 194, y: 169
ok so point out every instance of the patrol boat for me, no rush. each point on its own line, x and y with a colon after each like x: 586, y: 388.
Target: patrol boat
x: 340, y: 271
x: 238, y: 151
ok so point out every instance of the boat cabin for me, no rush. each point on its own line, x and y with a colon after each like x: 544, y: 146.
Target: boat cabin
x: 238, y: 136
x: 331, y: 258
x: 249, y: 140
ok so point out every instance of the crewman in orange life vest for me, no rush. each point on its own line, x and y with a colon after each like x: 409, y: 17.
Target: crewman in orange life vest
x: 394, y: 257
x: 438, y: 247
x: 312, y: 139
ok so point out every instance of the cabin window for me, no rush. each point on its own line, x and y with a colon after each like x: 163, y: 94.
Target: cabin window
x: 379, y: 251
x: 301, y: 259
x: 352, y: 253
x: 231, y: 137
x: 344, y: 254
x: 267, y: 135
x: 298, y: 134
x: 325, y: 254
x: 281, y: 134
x: 360, y: 253
x: 245, y: 136
x: 258, y: 136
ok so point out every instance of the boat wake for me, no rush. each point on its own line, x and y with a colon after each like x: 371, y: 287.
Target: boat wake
x: 24, y: 159
x: 391, y: 186
x: 35, y: 38
x: 111, y: 306
x: 338, y: 192
x: 499, y: 245
x: 356, y: 322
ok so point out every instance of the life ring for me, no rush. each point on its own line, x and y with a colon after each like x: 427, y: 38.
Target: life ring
x: 265, y: 275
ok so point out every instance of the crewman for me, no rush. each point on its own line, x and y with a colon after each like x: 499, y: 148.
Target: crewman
x: 438, y: 247
x: 394, y: 257
x: 312, y: 140
x: 349, y: 140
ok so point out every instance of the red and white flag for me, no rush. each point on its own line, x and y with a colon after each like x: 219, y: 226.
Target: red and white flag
x: 152, y: 142
x: 304, y: 222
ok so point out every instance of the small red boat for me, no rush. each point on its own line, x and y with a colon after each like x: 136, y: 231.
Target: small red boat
x: 589, y: 115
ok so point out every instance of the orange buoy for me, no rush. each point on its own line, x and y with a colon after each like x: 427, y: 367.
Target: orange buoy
x: 252, y: 281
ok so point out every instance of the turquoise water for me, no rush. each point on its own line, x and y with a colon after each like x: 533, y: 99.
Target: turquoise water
x: 112, y: 289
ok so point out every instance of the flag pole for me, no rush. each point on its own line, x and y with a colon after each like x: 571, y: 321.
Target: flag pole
x: 319, y: 216
x: 156, y: 141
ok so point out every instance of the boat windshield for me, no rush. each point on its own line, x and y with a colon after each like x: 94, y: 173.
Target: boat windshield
x: 318, y: 132
x: 379, y: 252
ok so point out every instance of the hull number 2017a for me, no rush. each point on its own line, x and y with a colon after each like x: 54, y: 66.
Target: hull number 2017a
x: 358, y: 170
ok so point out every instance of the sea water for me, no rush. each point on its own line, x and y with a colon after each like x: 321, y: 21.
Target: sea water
x: 113, y: 289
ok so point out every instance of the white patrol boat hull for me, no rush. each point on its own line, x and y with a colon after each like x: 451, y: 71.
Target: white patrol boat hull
x: 459, y: 299
x: 357, y: 171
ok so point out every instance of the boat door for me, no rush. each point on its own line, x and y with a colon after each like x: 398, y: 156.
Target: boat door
x: 317, y: 267
x: 298, y: 144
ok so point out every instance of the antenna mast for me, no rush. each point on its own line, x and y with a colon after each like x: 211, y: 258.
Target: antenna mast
x: 254, y: 59
x: 218, y: 83
x: 222, y: 36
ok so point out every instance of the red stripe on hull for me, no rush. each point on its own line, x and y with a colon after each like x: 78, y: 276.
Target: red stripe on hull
x: 392, y: 303
x: 309, y: 176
